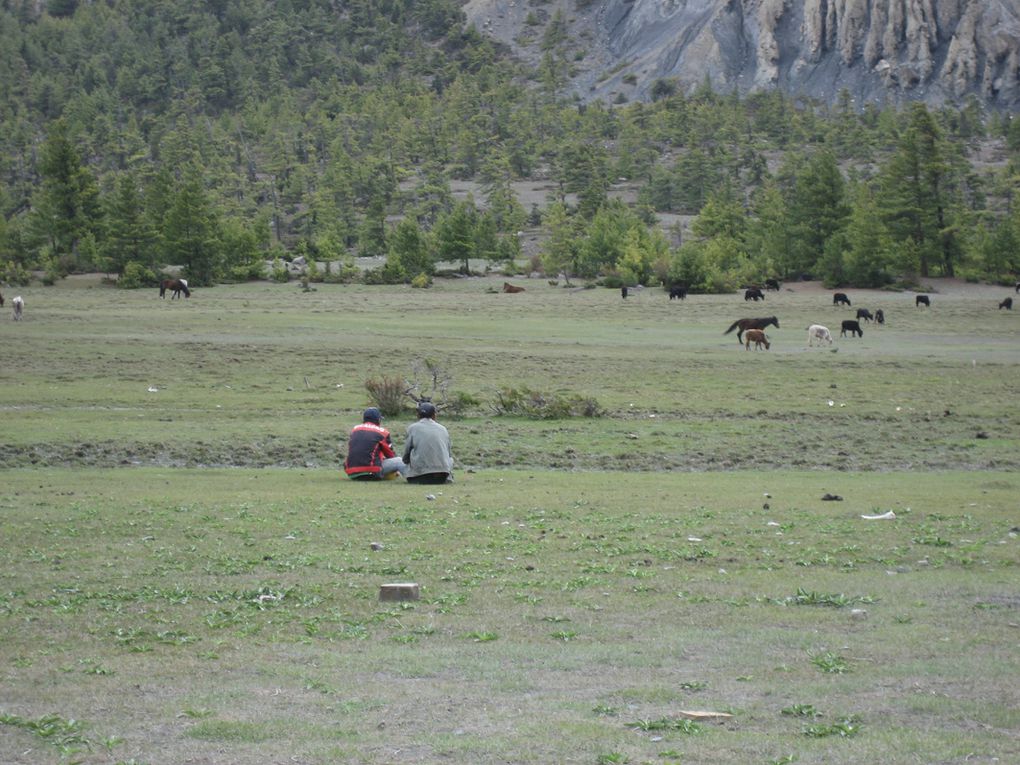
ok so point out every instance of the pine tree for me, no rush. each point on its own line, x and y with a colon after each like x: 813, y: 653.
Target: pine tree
x: 66, y: 206
x: 191, y: 233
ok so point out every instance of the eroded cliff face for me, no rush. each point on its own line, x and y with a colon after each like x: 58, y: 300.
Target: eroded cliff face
x: 883, y: 51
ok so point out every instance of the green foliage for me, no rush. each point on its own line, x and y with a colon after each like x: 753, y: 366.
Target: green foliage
x: 136, y: 275
x: 200, y: 135
x: 525, y: 402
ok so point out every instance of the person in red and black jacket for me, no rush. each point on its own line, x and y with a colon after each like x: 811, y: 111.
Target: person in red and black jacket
x: 370, y: 452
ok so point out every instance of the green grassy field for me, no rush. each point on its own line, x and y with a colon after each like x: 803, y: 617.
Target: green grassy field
x: 184, y: 576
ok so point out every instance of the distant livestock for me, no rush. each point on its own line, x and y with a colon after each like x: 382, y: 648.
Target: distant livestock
x: 511, y: 288
x: 922, y: 300
x: 880, y: 316
x: 742, y: 325
x: 772, y: 284
x: 864, y: 313
x: 1007, y: 304
x: 758, y: 337
x: 19, y: 308
x: 853, y: 327
x: 819, y: 333
x: 754, y: 294
x: 623, y: 291
x: 176, y: 287
x: 1, y: 301
x: 677, y: 292
x: 840, y: 298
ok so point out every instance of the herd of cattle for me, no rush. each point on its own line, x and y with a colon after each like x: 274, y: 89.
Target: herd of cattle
x: 753, y: 330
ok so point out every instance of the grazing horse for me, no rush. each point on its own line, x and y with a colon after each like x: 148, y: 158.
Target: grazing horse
x: 176, y: 286
x: 864, y: 313
x: 772, y: 284
x: 854, y: 327
x: 742, y: 325
x: 1007, y: 304
x: 880, y: 316
x: 922, y: 300
x: 818, y: 332
x: 677, y: 292
x: 754, y: 294
x: 840, y: 297
x: 758, y: 337
x: 508, y: 287
x: 19, y: 308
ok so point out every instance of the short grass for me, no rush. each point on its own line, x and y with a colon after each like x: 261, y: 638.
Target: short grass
x: 184, y: 576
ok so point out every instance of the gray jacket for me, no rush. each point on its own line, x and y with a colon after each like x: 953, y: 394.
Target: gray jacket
x: 427, y: 449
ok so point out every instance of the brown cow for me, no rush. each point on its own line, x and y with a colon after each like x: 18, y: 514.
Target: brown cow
x: 508, y: 287
x: 758, y: 337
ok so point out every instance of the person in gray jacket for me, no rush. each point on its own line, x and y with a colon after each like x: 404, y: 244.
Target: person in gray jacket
x: 427, y: 451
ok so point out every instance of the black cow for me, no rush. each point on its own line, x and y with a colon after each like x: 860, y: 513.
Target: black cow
x: 854, y: 328
x: 922, y: 300
x: 623, y: 292
x: 840, y: 297
x: 864, y: 313
x: 880, y: 316
x: 772, y: 284
x: 677, y: 292
x: 754, y: 294
x: 1007, y: 304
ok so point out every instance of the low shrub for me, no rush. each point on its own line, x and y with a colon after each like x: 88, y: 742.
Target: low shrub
x: 524, y: 402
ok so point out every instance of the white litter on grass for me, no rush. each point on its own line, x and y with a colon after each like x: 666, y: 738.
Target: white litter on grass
x: 693, y: 539
x: 887, y: 516
x: 771, y: 523
x: 831, y: 402
x: 153, y: 389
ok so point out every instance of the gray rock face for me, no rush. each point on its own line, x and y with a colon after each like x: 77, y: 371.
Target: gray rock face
x: 883, y: 51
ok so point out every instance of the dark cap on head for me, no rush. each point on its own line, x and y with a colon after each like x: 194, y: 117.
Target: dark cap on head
x: 372, y: 414
x: 426, y: 409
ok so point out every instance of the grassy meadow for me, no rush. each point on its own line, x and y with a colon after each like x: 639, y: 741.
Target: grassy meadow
x: 186, y: 578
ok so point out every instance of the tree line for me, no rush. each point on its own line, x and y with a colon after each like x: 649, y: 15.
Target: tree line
x: 222, y: 135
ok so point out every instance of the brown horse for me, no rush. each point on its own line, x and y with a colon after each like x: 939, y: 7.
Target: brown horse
x: 508, y: 287
x: 741, y: 325
x: 176, y: 286
x: 758, y: 337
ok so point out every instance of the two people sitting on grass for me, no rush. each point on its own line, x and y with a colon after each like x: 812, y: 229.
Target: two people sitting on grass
x: 427, y: 457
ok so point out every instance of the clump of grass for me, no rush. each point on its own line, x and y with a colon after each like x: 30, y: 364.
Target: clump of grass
x: 480, y: 636
x: 833, y: 600
x: 67, y: 735
x: 678, y: 724
x: 801, y: 710
x: 831, y: 663
x: 694, y: 685
x: 845, y: 728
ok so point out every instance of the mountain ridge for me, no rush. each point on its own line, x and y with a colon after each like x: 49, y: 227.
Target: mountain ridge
x: 880, y: 51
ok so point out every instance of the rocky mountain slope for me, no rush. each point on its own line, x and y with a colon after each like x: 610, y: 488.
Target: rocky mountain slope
x: 883, y: 51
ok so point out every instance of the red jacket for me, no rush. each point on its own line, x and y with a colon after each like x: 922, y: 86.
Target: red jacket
x: 367, y: 446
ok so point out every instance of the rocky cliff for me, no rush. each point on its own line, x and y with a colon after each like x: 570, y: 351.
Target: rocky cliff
x: 884, y: 51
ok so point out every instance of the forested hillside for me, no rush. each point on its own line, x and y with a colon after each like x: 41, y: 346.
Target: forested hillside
x: 220, y: 135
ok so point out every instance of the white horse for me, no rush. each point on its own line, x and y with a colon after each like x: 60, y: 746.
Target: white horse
x: 817, y: 331
x: 19, y: 307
